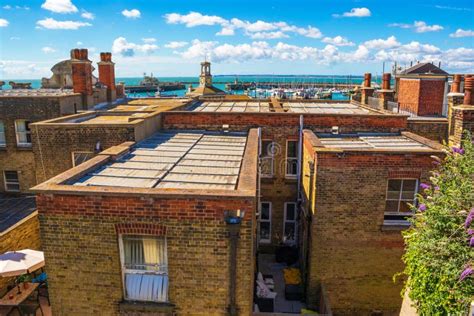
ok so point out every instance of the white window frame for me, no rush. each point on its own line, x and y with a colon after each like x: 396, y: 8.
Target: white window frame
x: 269, y: 220
x: 73, y: 156
x: 289, y: 160
x: 7, y: 183
x: 400, y: 199
x: 26, y: 132
x: 295, y: 221
x: 270, y: 158
x: 125, y: 270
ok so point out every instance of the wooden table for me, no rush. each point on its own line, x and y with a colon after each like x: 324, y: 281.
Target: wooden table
x: 17, y: 299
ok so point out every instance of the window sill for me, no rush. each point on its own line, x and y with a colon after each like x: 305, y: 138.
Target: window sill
x: 139, y: 306
x: 395, y: 225
x: 25, y: 147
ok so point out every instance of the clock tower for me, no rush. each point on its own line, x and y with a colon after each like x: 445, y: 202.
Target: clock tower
x: 205, y: 79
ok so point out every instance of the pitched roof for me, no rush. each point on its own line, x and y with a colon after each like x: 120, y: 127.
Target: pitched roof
x: 206, y: 90
x: 424, y: 68
x: 14, y: 209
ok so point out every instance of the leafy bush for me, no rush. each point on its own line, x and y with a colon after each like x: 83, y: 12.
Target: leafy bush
x: 439, y: 255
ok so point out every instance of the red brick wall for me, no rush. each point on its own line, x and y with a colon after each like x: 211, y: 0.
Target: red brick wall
x: 421, y: 96
x: 350, y: 253
x: 319, y: 123
x: 409, y: 94
x: 431, y: 97
x: 80, y: 241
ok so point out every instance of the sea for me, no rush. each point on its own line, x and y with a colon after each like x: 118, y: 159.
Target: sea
x: 220, y: 80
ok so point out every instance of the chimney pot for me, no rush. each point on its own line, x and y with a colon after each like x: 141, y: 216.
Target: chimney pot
x: 386, y: 81
x: 456, y: 86
x: 468, y: 96
x: 367, y: 79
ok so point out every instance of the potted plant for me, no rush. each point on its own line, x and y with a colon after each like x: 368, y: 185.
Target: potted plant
x: 25, y: 279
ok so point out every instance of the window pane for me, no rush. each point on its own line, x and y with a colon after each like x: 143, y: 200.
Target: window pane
x: 290, y: 212
x: 145, y: 253
x: 290, y: 229
x: 393, y: 195
x: 408, y: 195
x: 391, y: 206
x: 267, y: 148
x: 265, y: 215
x: 2, y: 134
x: 20, y: 126
x: 394, y: 185
x: 292, y: 149
x: 409, y: 185
x: 404, y: 207
x: 265, y: 230
x: 146, y: 287
x: 11, y: 176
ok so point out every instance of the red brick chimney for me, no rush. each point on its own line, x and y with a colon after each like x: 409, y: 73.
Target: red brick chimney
x: 468, y: 95
x: 367, y: 79
x: 107, y: 74
x: 82, y: 75
x: 386, y: 94
x: 366, y: 91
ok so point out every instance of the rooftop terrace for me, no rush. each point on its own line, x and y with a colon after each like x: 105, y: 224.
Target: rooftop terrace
x: 264, y: 106
x: 181, y: 160
x: 36, y: 93
x: 372, y: 141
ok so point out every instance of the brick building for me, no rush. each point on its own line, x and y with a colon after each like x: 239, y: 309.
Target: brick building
x: 159, y: 206
x: 357, y: 188
x: 18, y: 109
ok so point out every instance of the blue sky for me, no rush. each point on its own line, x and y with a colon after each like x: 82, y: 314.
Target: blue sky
x: 239, y: 37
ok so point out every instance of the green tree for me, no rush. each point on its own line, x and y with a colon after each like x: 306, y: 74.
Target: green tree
x: 439, y: 256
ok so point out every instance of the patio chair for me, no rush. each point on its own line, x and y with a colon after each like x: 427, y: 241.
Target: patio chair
x: 42, y: 279
x: 28, y: 309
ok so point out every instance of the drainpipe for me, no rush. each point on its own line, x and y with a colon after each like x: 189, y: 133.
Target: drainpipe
x: 233, y: 221
x: 300, y: 158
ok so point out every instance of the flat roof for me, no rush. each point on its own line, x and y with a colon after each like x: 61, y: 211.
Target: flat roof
x: 14, y: 209
x: 37, y: 93
x: 104, y: 118
x: 180, y: 160
x: 371, y: 141
x: 264, y: 106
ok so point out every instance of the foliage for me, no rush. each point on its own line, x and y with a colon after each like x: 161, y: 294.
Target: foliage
x: 439, y: 255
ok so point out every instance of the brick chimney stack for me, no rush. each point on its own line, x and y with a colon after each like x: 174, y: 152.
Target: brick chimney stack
x: 386, y: 94
x: 468, y: 93
x: 82, y: 75
x: 107, y: 75
x: 367, y: 79
x: 366, y: 91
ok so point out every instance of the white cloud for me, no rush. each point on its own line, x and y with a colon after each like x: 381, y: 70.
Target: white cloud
x: 193, y: 19
x: 59, y: 6
x: 53, y: 24
x: 149, y: 40
x: 390, y: 42
x: 124, y: 48
x: 422, y: 27
x: 418, y: 26
x: 462, y: 33
x: 48, y: 50
x: 256, y: 30
x: 268, y: 35
x: 131, y: 14
x: 87, y: 15
x: 79, y: 43
x: 355, y: 13
x: 15, y: 38
x: 175, y: 45
x: 7, y: 7
x: 361, y: 54
x: 337, y: 41
x: 452, y: 8
x: 3, y: 23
